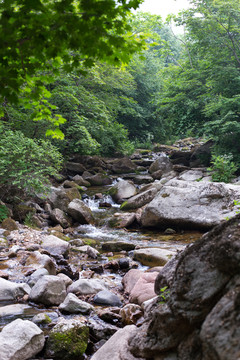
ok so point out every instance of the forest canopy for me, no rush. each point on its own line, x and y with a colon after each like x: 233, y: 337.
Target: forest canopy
x: 98, y: 79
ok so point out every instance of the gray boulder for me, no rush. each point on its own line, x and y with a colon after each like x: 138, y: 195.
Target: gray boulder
x: 60, y: 198
x: 80, y: 212
x: 99, y: 180
x: 191, y: 204
x: 36, y: 260
x: 85, y: 287
x: 60, y: 217
x: 72, y: 304
x: 123, y: 190
x: 48, y: 290
x: 75, y: 168
x: 20, y: 340
x: 139, y: 200
x: 11, y: 291
x: 123, y: 165
x: 162, y: 163
x: 54, y: 245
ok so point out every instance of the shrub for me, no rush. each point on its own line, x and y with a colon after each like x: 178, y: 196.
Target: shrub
x: 223, y: 168
x: 25, y: 164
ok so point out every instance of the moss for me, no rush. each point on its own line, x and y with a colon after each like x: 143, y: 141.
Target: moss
x: 70, y: 344
x: 113, y: 191
x: 165, y: 195
x: 90, y: 242
x: 113, y: 222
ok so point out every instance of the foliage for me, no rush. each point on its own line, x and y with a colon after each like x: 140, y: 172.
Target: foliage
x: 164, y: 295
x: 25, y: 163
x: 3, y: 212
x: 223, y: 168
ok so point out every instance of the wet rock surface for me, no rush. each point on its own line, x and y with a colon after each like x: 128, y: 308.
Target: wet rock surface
x: 95, y: 291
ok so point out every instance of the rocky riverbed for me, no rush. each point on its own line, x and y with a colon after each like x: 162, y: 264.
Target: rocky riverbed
x: 105, y: 270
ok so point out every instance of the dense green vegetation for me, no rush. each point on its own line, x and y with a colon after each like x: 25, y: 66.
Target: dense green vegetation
x: 98, y: 80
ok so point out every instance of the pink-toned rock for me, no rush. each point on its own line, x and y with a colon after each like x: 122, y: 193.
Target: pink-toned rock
x: 144, y: 288
x: 139, y: 285
x: 130, y: 279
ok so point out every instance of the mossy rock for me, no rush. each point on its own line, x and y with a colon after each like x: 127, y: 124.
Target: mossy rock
x: 124, y: 206
x: 9, y: 224
x: 90, y: 242
x: 68, y: 340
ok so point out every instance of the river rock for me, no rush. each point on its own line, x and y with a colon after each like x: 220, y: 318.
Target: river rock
x: 130, y: 314
x: 139, y: 179
x: 116, y: 348
x: 65, y: 278
x: 202, y: 154
x: 99, y: 180
x: 60, y: 217
x: 60, y: 197
x: 162, y: 163
x: 86, y: 286
x: 191, y: 204
x: 122, y: 220
x: 9, y: 224
x: 54, y: 245
x: 143, y: 289
x: 130, y: 279
x: 80, y: 181
x: 37, y: 260
x: 75, y: 168
x: 67, y: 340
x: 181, y: 157
x: 191, y: 175
x: 37, y: 275
x: 11, y: 291
x: 117, y: 246
x: 72, y: 304
x: 89, y: 250
x: 123, y: 165
x: 123, y: 190
x: 48, y: 290
x: 106, y: 297
x: 153, y: 256
x: 20, y: 340
x: 80, y: 212
x: 139, y: 200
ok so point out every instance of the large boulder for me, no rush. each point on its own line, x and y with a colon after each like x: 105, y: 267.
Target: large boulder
x: 75, y: 168
x: 60, y: 197
x: 162, y: 163
x: 123, y: 190
x: 67, y: 340
x: 60, y: 217
x: 189, y: 204
x: 199, y: 318
x: 20, y: 340
x: 139, y: 200
x: 123, y: 165
x: 80, y: 212
x: 48, y: 290
x: 11, y: 291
